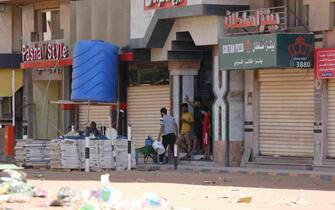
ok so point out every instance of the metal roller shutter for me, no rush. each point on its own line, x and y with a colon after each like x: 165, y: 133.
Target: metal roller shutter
x: 286, y: 112
x: 331, y: 119
x: 144, y: 103
x: 99, y: 114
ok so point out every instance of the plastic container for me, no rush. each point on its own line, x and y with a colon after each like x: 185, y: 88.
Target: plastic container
x: 149, y: 141
x: 95, y: 71
x: 158, y: 147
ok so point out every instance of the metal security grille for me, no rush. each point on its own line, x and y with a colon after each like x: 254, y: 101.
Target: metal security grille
x: 286, y: 112
x: 144, y: 104
x: 99, y: 114
x: 331, y: 119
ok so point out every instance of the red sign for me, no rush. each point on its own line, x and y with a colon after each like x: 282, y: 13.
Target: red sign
x: 157, y: 4
x: 47, y: 51
x: 324, y: 67
x: 255, y: 21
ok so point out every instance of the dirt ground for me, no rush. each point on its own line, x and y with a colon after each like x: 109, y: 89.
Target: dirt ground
x: 197, y: 191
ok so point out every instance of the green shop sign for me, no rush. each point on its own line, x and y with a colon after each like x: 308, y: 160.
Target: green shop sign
x: 267, y: 51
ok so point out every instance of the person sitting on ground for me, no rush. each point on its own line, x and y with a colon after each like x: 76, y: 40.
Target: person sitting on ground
x: 168, y: 131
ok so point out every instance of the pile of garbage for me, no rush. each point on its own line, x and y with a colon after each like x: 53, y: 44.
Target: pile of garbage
x: 14, y: 187
x: 107, y: 198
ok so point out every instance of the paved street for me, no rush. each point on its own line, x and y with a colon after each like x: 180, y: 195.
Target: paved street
x: 197, y: 191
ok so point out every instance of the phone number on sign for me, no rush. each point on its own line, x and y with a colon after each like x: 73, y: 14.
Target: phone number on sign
x: 303, y: 64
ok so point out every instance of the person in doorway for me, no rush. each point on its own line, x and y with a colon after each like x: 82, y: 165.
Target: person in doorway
x: 168, y: 131
x: 185, y: 139
x: 197, y: 127
x: 92, y: 129
x: 206, y: 131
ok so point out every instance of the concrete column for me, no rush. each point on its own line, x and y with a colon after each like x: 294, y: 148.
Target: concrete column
x: 83, y: 19
x: 68, y: 115
x: 27, y: 23
x: 236, y: 117
x: 73, y: 23
x: 175, y: 89
x: 6, y: 30
x: 29, y: 107
x: 99, y: 19
x: 320, y: 121
x: 219, y: 111
x: 249, y: 109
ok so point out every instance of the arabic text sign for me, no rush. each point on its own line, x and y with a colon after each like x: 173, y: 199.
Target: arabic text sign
x: 255, y: 21
x: 157, y: 4
x: 267, y: 51
x: 324, y: 63
x: 248, y: 52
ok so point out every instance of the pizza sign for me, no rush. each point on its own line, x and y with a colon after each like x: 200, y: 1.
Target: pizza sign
x: 157, y: 4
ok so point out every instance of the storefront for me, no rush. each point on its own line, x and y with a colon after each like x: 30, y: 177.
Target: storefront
x: 325, y: 73
x: 173, y: 32
x: 9, y: 67
x: 279, y: 91
x: 148, y: 91
x: 48, y: 68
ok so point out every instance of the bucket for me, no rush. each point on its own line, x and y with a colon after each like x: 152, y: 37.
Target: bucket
x: 158, y: 147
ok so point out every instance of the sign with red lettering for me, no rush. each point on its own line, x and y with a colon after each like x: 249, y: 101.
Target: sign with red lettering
x: 255, y: 21
x: 324, y: 67
x: 157, y: 4
x: 46, y: 51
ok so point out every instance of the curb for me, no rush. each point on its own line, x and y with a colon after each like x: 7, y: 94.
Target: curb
x: 315, y: 175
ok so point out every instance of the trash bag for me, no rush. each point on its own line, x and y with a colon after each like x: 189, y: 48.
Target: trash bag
x: 66, y: 196
x: 17, y: 187
x: 14, y: 174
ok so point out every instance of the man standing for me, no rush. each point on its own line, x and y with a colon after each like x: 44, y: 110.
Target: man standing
x: 168, y: 131
x: 185, y: 140
x: 197, y: 128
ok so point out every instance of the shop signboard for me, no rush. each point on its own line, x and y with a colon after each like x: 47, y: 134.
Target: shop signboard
x: 324, y: 67
x: 44, y: 51
x: 255, y: 21
x: 45, y: 74
x: 160, y: 4
x: 266, y: 51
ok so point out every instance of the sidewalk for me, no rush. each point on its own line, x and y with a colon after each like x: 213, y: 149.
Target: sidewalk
x: 318, y: 175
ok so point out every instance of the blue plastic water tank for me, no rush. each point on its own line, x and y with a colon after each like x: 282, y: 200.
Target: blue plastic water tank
x: 95, y: 71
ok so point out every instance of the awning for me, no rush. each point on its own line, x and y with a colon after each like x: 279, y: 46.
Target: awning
x: 6, y: 81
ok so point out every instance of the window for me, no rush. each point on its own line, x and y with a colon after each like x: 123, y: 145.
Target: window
x: 297, y: 13
x: 155, y: 75
x: 306, y: 15
x: 277, y: 3
x: 7, y: 106
x: 47, y: 25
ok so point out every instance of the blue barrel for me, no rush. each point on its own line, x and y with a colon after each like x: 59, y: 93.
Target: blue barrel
x: 95, y: 71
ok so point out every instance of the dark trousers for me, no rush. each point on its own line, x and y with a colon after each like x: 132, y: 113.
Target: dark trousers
x: 168, y: 140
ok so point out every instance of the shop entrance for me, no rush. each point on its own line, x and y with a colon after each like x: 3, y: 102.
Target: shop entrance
x: 190, y: 68
x: 46, y: 115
